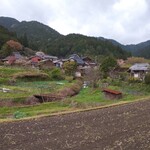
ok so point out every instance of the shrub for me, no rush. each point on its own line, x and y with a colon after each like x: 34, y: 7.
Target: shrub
x: 30, y: 76
x: 107, y: 80
x: 14, y: 45
x: 18, y: 115
x: 56, y: 74
x: 147, y: 78
x: 70, y: 67
x: 76, y: 88
x: 72, y: 90
x: 133, y: 80
x: 107, y: 65
x: 116, y: 82
x: 69, y: 78
x: 123, y: 76
x: 66, y: 92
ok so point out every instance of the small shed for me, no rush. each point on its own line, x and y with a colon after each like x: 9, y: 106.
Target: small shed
x: 112, y: 94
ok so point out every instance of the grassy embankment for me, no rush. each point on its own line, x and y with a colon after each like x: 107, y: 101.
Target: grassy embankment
x: 26, y: 87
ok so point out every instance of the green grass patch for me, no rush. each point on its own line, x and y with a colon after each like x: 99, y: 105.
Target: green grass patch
x: 9, y: 71
x: 95, y: 97
x: 90, y: 98
x: 45, y: 108
x: 22, y: 90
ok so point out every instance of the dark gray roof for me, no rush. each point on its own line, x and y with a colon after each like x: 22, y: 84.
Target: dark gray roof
x: 77, y: 59
x: 17, y: 55
x: 140, y: 67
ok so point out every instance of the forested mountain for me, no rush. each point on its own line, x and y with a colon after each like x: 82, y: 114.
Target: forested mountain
x: 6, y: 35
x: 8, y: 22
x: 37, y: 34
x: 143, y: 52
x: 41, y: 37
x: 84, y: 45
x: 9, y: 43
x: 139, y: 50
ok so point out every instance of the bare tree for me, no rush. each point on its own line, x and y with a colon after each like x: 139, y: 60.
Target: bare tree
x: 92, y: 75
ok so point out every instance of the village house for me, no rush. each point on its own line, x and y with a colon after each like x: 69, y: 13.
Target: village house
x: 52, y: 58
x: 41, y: 60
x: 34, y: 60
x: 89, y: 62
x: 83, y: 63
x: 15, y: 59
x: 59, y: 63
x: 46, y: 64
x: 10, y: 60
x: 43, y: 56
x: 80, y: 63
x: 77, y: 59
x: 139, y: 70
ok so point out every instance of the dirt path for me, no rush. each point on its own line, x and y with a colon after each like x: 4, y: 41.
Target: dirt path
x: 125, y: 127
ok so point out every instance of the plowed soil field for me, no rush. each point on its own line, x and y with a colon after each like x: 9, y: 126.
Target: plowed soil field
x: 124, y: 127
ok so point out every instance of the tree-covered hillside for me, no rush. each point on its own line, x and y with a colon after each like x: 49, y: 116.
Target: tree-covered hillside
x: 5, y: 35
x: 139, y: 50
x: 9, y: 44
x: 8, y: 22
x: 84, y: 45
x: 144, y: 52
x: 37, y: 34
x: 41, y: 37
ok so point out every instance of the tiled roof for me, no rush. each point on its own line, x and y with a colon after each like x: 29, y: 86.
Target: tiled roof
x: 112, y: 91
x: 77, y: 59
x: 140, y: 66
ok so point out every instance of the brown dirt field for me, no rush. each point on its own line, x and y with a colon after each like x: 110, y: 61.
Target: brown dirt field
x: 125, y: 127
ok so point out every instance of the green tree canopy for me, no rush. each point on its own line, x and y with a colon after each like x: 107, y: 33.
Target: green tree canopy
x: 70, y: 67
x: 108, y: 64
x: 24, y: 40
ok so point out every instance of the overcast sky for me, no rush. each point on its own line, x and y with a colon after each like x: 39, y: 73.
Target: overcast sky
x: 126, y: 21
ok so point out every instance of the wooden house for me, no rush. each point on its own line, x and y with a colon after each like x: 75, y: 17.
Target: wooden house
x: 13, y: 59
x: 87, y: 59
x: 46, y: 64
x: 35, y: 60
x: 53, y: 58
x: 77, y: 59
x: 58, y: 63
x: 139, y: 70
x: 89, y: 62
x: 10, y: 60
